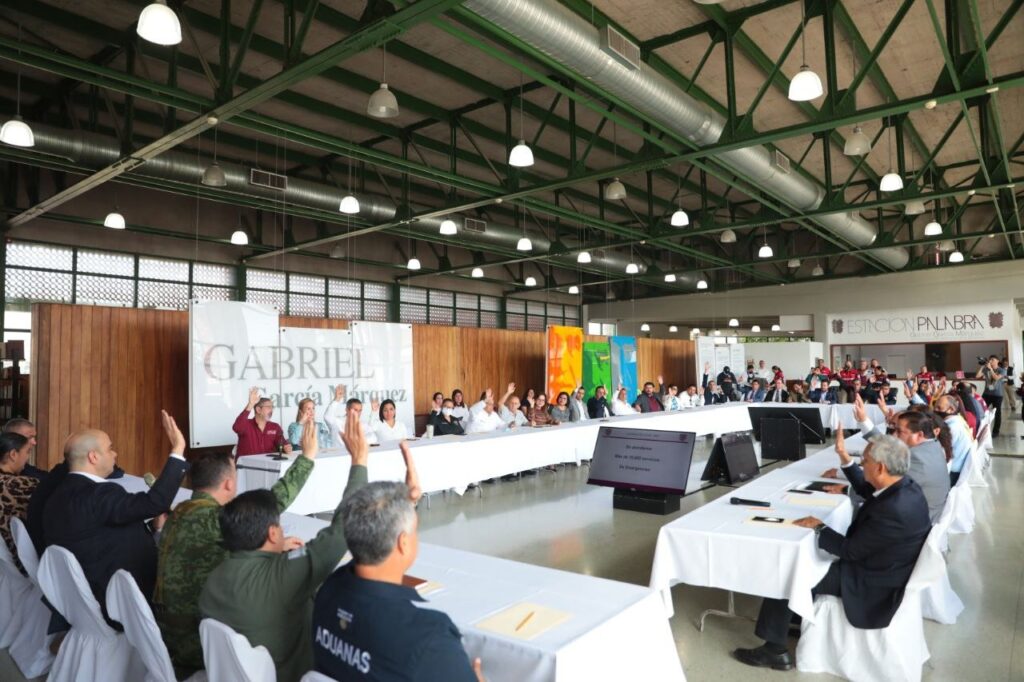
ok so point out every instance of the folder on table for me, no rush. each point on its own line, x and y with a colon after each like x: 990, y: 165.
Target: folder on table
x: 424, y: 587
x: 523, y: 621
x: 813, y: 500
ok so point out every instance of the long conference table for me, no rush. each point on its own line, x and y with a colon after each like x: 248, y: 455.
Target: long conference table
x: 614, y: 630
x: 455, y: 462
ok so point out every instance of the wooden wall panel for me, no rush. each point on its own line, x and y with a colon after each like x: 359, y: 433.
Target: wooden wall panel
x: 673, y: 359
x: 436, y: 359
x: 491, y: 358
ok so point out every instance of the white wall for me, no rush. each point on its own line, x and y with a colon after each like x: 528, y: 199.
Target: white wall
x: 795, y: 359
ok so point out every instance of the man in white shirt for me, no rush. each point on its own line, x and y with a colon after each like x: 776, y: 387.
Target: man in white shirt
x: 763, y: 373
x: 671, y: 398
x: 337, y: 414
x: 486, y: 419
x: 579, y: 406
x: 692, y: 398
x: 511, y: 415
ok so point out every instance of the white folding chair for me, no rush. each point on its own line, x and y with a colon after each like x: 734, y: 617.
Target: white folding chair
x: 23, y: 619
x: 939, y: 602
x: 314, y: 676
x: 829, y: 644
x: 26, y: 549
x: 92, y: 650
x: 126, y: 605
x: 230, y: 658
x: 981, y: 459
x: 963, y: 514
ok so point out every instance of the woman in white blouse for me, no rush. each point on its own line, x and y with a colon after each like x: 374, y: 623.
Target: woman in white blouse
x: 620, y: 406
x: 384, y: 423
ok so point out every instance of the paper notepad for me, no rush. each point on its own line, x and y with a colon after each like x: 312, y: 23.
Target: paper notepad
x: 811, y: 500
x: 523, y: 621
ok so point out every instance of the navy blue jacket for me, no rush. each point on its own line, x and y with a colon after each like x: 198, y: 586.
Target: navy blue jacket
x: 878, y: 552
x: 371, y: 630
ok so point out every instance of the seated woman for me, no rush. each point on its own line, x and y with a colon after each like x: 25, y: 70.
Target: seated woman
x: 527, y: 401
x: 445, y: 423
x: 435, y: 404
x: 15, y: 489
x: 560, y: 411
x: 307, y: 412
x: 621, y: 406
x: 384, y: 422
x: 538, y: 414
x: 459, y: 407
x: 797, y: 393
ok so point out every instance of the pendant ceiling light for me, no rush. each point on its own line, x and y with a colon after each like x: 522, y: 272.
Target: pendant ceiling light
x: 15, y: 131
x: 956, y: 257
x: 765, y: 251
x: 645, y: 327
x: 448, y: 227
x: 728, y: 237
x: 695, y: 331
x: 159, y: 24
x: 239, y: 237
x: 574, y: 289
x: 679, y: 218
x: 891, y: 181
x: 673, y: 329
x: 793, y: 263
x: 913, y: 207
x: 477, y: 273
x: 338, y: 250
x: 413, y: 264
x: 755, y: 329
x: 524, y: 244
x: 670, y: 277
x: 349, y: 205
x: 382, y: 103
x: 213, y: 175
x: 776, y: 328
x: 857, y: 144
x: 521, y: 155
x: 946, y: 246
x: 817, y: 271
x: 583, y: 257
x: 717, y: 333
x: 615, y: 190
x: 702, y: 284
x: 114, y: 220
x: 733, y: 322
x: 805, y: 85
x: 933, y: 228
x: 530, y: 281
x: 632, y: 269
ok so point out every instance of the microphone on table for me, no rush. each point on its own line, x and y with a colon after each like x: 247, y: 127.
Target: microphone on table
x: 748, y: 503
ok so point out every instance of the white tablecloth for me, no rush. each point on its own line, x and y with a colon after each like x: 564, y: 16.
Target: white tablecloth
x: 136, y: 484
x: 617, y: 631
x: 716, y: 545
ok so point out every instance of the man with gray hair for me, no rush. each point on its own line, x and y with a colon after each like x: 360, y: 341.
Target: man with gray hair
x: 365, y: 624
x: 875, y: 557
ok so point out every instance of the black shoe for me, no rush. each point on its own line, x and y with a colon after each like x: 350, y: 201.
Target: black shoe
x: 761, y: 657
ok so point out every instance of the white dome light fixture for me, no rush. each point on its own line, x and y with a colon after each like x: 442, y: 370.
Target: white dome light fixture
x: 521, y: 155
x: 857, y: 144
x: 16, y: 132
x: 413, y: 264
x: 632, y: 269
x: 673, y: 329
x: 524, y: 244
x: 702, y: 284
x: 695, y: 330
x: 805, y: 85
x: 733, y: 322
x: 891, y: 182
x: 239, y: 237
x: 615, y: 190
x: 645, y: 327
x: 530, y: 281
x: 583, y: 257
x: 932, y: 229
x: 574, y: 289
x: 717, y: 332
x: 477, y: 273
x: 946, y: 246
x: 159, y: 24
x: 349, y: 205
x: 382, y: 103
x: 670, y: 277
x: 956, y: 257
x: 338, y: 251
x: 776, y: 328
x: 679, y: 218
x: 913, y: 207
x: 765, y: 252
x: 755, y: 329
x: 727, y: 237
x: 448, y: 227
x: 114, y: 220
x: 817, y: 271
x: 213, y: 176
x: 793, y: 263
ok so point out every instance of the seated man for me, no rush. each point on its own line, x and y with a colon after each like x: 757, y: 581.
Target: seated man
x: 650, y: 400
x: 104, y: 525
x: 336, y: 416
x: 671, y: 400
x: 598, y: 406
x: 691, y: 397
x: 778, y: 393
x: 578, y: 406
x: 190, y: 546
x: 259, y: 435
x: 756, y: 393
x: 799, y: 393
x: 264, y: 589
x: 511, y: 414
x: 713, y: 394
x: 875, y: 557
x: 24, y: 427
x: 365, y: 622
x: 485, y: 417
x: 726, y: 380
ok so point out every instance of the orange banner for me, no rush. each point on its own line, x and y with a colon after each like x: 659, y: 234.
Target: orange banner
x: 564, y: 361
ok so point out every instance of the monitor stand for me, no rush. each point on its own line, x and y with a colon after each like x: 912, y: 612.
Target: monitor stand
x: 648, y: 503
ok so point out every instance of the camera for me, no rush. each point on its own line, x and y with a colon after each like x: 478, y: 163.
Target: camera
x: 982, y: 360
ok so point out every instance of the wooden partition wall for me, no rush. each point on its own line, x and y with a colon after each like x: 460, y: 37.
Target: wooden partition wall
x: 116, y: 368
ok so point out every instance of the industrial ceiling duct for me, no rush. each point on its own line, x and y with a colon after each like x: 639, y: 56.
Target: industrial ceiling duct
x: 555, y: 30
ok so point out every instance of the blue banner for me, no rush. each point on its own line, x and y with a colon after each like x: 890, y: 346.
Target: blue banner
x: 623, y: 350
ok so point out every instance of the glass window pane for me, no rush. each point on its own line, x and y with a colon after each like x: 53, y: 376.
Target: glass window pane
x: 207, y: 273
x: 92, y: 290
x: 515, y: 321
x: 376, y: 291
x: 344, y: 287
x: 39, y: 256
x: 572, y: 313
x: 344, y: 308
x: 535, y: 323
x: 163, y: 295
x: 465, y: 300
x: 413, y: 295
x: 213, y: 293
x: 163, y: 268
x: 535, y: 307
x: 106, y: 263
x: 555, y: 310
x: 267, y: 298
x: 594, y: 328
x: 608, y: 329
x: 416, y: 314
x: 306, y: 305
x: 443, y: 298
x: 376, y: 311
x: 17, y: 319
x: 33, y: 285
x: 264, y: 279
x: 466, y: 318
x: 488, y: 319
x: 489, y: 303
x: 306, y: 284
x: 440, y: 315
x: 515, y: 305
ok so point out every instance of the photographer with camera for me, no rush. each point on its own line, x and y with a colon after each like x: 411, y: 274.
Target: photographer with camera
x: 995, y: 380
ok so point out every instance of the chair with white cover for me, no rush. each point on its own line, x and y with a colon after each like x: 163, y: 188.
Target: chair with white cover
x: 24, y: 619
x: 963, y: 514
x: 92, y: 650
x: 976, y: 478
x: 126, y: 605
x: 27, y: 554
x: 829, y: 644
x: 939, y: 602
x: 314, y: 676
x: 230, y: 658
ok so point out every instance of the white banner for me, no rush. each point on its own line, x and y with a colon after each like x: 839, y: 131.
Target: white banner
x: 973, y: 322
x: 384, y: 367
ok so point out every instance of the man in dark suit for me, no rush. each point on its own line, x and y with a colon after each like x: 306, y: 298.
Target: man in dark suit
x: 597, y: 406
x: 876, y: 556
x: 777, y: 393
x: 101, y: 523
x: 650, y: 400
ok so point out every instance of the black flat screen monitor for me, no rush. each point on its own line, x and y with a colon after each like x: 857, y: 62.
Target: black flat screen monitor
x: 732, y: 459
x: 642, y: 459
x: 811, y: 428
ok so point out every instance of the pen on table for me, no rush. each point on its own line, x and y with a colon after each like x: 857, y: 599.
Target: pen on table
x: 524, y: 621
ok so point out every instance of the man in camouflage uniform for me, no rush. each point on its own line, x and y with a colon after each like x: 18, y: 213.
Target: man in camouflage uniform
x: 190, y: 548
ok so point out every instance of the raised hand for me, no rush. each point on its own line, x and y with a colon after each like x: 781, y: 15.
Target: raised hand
x: 844, y: 457
x: 510, y: 391
x: 291, y: 542
x: 412, y: 479
x: 355, y: 440
x: 707, y: 367
x: 309, y: 443
x: 661, y: 380
x: 489, y: 393
x: 860, y: 413
x: 830, y: 473
x: 254, y: 396
x: 478, y: 670
x: 375, y: 405
x: 339, y: 392
x: 173, y: 433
